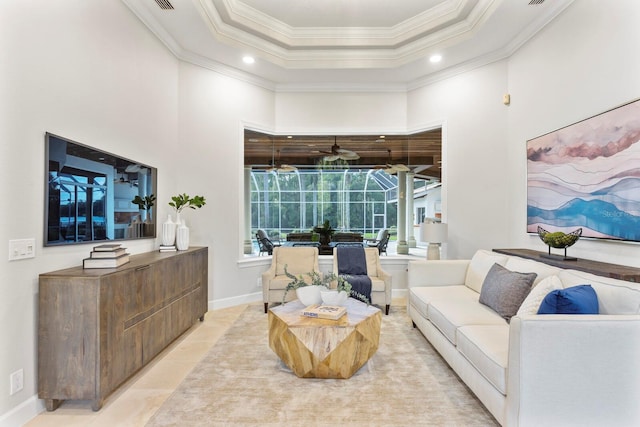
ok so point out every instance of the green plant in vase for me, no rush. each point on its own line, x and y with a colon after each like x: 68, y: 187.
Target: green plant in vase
x: 321, y: 281
x: 299, y: 282
x: 182, y: 201
x: 179, y: 203
x: 325, y: 231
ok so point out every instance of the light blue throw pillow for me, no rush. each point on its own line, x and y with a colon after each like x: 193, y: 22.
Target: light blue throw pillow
x: 581, y: 299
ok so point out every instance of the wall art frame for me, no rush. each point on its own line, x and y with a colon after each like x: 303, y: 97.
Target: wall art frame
x: 587, y: 175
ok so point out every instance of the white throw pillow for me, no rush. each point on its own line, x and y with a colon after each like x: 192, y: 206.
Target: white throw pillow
x: 532, y: 302
x: 614, y: 296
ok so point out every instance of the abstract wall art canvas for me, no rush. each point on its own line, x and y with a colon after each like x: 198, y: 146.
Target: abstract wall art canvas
x: 588, y: 175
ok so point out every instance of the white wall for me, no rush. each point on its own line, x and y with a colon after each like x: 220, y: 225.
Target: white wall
x: 88, y: 71
x: 584, y: 63
x: 474, y: 192
x: 213, y: 110
x: 336, y: 113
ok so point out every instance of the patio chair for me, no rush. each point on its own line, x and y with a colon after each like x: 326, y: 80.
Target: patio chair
x: 381, y: 241
x: 265, y: 244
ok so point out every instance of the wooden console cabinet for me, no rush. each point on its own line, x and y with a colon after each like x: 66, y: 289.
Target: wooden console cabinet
x: 97, y: 327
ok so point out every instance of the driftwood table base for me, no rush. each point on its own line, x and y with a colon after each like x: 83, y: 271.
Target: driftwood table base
x: 320, y: 348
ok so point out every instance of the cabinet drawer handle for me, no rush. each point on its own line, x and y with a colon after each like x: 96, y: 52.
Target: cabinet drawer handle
x: 143, y: 267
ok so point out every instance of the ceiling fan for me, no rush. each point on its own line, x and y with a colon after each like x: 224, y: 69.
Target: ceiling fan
x: 338, y: 153
x: 276, y: 167
x: 392, y: 169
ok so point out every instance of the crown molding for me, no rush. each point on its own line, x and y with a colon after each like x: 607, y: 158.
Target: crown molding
x: 187, y: 56
x: 237, y: 17
x: 341, y: 47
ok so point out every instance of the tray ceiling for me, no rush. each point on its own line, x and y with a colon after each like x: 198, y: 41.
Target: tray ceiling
x: 338, y: 42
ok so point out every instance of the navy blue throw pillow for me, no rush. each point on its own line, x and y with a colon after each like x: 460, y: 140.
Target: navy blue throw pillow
x: 581, y: 299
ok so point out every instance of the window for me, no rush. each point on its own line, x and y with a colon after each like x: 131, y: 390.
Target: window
x: 352, y: 200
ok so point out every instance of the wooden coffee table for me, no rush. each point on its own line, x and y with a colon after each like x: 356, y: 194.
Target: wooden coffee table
x: 320, y: 348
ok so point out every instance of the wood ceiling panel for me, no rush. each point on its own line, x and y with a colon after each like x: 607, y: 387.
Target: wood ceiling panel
x: 422, y: 152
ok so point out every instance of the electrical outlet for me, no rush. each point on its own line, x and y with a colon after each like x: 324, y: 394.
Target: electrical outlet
x: 16, y: 381
x: 22, y: 248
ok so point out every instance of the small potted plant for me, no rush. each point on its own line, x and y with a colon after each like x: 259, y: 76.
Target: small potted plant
x: 179, y: 203
x: 308, y: 293
x: 311, y: 293
x: 325, y: 231
x: 182, y: 201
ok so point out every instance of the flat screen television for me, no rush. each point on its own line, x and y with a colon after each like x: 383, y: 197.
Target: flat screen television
x: 89, y: 195
x: 587, y: 175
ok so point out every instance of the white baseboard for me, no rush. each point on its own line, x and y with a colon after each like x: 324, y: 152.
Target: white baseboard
x: 21, y: 414
x: 233, y: 301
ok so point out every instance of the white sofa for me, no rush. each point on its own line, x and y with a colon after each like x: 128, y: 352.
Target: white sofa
x: 537, y: 370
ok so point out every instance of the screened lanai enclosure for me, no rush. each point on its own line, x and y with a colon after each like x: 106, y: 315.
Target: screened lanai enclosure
x: 351, y: 200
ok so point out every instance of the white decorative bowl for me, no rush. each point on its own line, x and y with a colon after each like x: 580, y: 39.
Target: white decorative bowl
x: 334, y: 297
x: 309, y: 295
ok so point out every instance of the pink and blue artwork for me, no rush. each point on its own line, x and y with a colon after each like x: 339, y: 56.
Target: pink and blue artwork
x: 588, y: 175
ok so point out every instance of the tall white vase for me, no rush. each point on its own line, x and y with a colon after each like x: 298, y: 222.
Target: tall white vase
x: 169, y: 232
x: 182, y: 237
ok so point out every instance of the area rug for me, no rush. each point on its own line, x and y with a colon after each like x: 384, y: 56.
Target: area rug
x: 241, y: 382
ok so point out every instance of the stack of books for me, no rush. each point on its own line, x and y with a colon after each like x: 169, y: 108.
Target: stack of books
x: 332, y: 312
x: 167, y: 248
x: 106, y: 256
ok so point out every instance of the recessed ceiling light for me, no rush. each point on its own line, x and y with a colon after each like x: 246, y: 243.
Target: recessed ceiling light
x: 248, y: 59
x: 289, y: 136
x: 382, y: 136
x: 435, y: 58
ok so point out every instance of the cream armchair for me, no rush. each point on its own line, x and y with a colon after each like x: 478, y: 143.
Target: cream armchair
x: 380, y: 279
x: 299, y: 260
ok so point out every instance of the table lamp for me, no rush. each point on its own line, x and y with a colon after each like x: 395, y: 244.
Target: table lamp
x: 435, y: 233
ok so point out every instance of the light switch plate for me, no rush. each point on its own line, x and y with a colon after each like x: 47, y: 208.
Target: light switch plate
x: 21, y: 249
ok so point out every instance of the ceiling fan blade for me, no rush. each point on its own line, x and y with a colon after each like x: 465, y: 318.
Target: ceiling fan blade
x: 331, y: 158
x: 401, y: 168
x: 347, y: 155
x: 287, y: 168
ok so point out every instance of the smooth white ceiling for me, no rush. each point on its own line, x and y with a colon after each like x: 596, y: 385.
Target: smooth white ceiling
x: 344, y: 44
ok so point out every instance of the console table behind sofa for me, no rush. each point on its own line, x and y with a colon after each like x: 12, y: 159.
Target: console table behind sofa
x: 615, y: 271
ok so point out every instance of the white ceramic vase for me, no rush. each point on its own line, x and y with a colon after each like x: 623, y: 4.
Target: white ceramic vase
x: 182, y: 237
x: 309, y: 295
x: 333, y: 297
x: 169, y: 232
